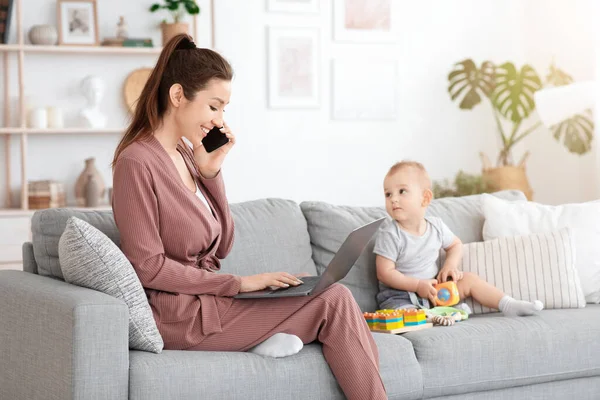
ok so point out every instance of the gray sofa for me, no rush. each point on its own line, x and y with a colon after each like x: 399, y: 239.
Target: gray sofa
x: 59, y: 341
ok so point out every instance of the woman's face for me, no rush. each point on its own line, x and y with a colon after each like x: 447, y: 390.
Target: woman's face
x: 198, y: 116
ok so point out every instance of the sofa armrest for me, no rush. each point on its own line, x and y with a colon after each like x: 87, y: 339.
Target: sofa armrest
x: 61, y: 341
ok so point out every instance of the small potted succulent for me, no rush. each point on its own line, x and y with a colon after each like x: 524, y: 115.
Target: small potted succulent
x: 178, y: 9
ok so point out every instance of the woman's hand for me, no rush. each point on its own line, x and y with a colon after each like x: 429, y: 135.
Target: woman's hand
x: 262, y: 281
x: 209, y: 164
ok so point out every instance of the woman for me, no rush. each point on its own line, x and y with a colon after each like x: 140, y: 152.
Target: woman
x: 170, y: 207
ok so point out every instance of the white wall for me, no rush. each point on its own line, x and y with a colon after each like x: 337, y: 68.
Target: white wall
x: 303, y: 154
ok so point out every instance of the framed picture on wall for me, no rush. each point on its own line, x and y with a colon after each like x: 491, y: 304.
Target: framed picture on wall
x: 294, y: 6
x: 364, y: 21
x: 364, y: 90
x: 293, y: 67
x: 77, y: 22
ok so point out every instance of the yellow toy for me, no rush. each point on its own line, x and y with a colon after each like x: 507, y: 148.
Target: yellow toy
x: 447, y: 294
x: 385, y: 319
x: 414, y: 317
x: 396, y: 321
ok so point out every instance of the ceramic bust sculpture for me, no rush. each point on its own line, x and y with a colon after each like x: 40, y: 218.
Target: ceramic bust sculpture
x: 92, y: 89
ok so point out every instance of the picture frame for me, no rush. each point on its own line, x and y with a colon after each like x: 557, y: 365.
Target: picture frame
x: 293, y: 67
x: 77, y: 22
x: 293, y: 6
x: 368, y: 21
x: 357, y: 95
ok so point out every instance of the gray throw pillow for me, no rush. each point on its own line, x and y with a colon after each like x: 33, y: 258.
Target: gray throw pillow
x: 90, y: 259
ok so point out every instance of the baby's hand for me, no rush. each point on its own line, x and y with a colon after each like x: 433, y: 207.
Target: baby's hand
x: 452, y: 273
x: 426, y: 290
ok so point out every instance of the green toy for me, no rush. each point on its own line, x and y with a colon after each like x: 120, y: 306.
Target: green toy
x: 456, y: 313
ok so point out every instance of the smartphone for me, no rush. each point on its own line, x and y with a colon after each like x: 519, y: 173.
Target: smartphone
x: 214, y: 139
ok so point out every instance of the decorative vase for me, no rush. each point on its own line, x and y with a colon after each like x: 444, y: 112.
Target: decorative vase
x: 92, y: 191
x: 45, y: 35
x: 171, y: 30
x: 82, y: 180
x: 506, y: 177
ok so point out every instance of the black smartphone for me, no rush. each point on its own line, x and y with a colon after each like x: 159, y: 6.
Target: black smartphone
x: 214, y: 139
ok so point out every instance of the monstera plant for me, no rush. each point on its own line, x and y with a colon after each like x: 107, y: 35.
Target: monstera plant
x: 510, y: 92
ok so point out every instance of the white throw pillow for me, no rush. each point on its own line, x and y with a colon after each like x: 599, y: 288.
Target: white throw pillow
x: 531, y: 267
x: 503, y: 218
x: 90, y: 259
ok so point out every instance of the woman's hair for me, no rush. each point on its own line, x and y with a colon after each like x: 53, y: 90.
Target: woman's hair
x: 179, y: 62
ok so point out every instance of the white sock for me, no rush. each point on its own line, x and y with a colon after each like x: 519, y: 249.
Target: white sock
x: 512, y: 308
x: 278, y: 345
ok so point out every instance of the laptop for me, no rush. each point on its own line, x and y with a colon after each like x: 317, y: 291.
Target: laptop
x: 337, y: 269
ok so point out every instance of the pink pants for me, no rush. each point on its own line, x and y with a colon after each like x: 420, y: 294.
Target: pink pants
x: 331, y: 317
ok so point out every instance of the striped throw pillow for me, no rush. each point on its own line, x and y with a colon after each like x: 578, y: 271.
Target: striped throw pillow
x: 530, y: 267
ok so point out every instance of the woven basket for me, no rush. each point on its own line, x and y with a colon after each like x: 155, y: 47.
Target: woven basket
x: 507, y: 177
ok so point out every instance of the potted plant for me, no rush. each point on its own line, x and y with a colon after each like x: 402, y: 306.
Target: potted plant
x: 464, y: 184
x: 510, y: 93
x: 177, y: 9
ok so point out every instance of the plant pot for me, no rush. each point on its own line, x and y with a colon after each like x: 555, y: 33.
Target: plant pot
x: 506, y: 177
x: 171, y: 30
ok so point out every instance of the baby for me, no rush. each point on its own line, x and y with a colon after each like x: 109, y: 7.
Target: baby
x: 408, y: 247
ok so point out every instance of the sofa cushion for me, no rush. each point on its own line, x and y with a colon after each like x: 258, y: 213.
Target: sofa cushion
x: 190, y: 375
x: 490, y: 351
x: 270, y: 235
x: 88, y: 258
x: 329, y: 225
x: 510, y: 219
x: 464, y: 215
x: 528, y: 267
x: 48, y: 225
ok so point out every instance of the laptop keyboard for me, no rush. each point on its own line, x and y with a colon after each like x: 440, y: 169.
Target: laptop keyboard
x: 309, y: 283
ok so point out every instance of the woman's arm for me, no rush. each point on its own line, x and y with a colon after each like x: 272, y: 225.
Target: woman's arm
x: 135, y: 210
x: 216, y: 188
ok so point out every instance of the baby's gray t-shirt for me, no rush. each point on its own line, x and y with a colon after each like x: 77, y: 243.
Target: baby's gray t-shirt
x: 415, y: 256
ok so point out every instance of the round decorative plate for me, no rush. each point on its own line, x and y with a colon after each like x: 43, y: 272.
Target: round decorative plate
x: 134, y: 84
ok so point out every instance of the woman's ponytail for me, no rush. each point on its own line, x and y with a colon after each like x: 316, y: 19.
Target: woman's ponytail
x: 179, y: 62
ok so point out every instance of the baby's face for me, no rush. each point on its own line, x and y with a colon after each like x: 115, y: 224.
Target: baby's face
x: 404, y: 195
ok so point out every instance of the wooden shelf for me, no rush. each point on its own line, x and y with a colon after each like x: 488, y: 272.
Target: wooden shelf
x: 16, y: 212
x: 68, y: 131
x: 30, y: 48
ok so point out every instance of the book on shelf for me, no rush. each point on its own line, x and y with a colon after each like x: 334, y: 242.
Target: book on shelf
x: 127, y: 42
x: 46, y: 194
x: 6, y: 7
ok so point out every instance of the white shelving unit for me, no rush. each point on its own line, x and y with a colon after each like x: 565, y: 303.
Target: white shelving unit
x: 21, y: 130
x: 30, y: 48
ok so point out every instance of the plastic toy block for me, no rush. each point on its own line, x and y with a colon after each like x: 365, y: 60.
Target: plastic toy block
x: 391, y: 321
x: 372, y: 320
x: 385, y: 319
x: 447, y: 294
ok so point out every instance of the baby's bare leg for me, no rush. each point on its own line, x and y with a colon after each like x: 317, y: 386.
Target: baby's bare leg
x: 489, y: 296
x: 473, y: 286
